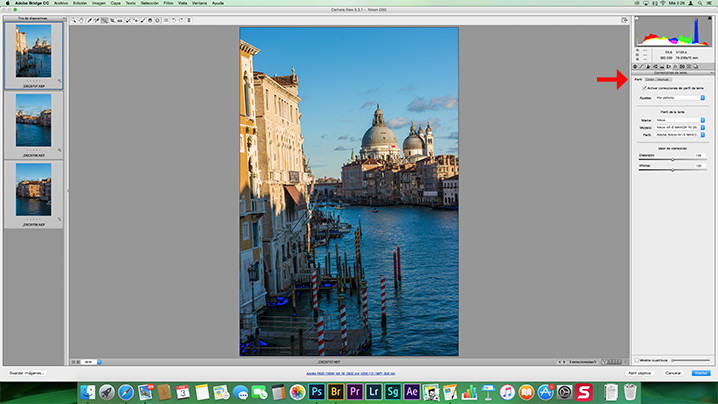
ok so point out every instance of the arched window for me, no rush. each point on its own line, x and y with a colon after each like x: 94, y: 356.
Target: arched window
x: 247, y: 108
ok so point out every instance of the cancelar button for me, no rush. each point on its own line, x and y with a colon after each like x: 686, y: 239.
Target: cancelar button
x: 673, y: 373
x: 701, y: 373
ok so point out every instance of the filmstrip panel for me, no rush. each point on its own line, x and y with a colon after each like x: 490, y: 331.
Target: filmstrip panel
x: 33, y: 55
x: 33, y: 125
x: 29, y: 198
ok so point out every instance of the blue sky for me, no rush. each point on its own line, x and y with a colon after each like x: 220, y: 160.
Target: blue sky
x: 34, y: 31
x: 344, y: 72
x: 31, y: 171
x: 32, y: 104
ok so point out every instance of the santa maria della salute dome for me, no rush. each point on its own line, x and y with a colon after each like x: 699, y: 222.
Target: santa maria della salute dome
x: 380, y: 143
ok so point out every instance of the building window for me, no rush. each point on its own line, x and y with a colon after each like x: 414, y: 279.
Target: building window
x: 255, y: 234
x: 245, y: 231
x: 266, y: 99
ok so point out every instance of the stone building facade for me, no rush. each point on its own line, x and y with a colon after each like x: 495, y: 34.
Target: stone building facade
x: 284, y: 180
x: 28, y: 189
x: 354, y: 182
x: 46, y: 188
x: 327, y: 189
x: 408, y: 190
x: 430, y: 172
x: 251, y: 205
x: 450, y: 188
x: 20, y: 41
x: 377, y: 182
x: 41, y: 189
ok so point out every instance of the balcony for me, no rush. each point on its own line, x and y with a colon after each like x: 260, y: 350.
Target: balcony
x: 256, y: 207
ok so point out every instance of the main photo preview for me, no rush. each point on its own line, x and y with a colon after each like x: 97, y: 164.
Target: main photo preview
x: 349, y: 176
x: 33, y: 124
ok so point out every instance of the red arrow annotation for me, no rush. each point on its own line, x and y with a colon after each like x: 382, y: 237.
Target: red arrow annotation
x: 619, y: 79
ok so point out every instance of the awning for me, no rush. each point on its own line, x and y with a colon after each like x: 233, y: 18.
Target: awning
x: 296, y: 196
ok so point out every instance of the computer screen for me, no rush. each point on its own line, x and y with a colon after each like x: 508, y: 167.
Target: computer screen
x: 198, y: 194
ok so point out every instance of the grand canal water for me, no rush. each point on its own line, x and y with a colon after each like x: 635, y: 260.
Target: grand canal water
x: 423, y: 313
x: 43, y: 66
x: 32, y: 135
x: 32, y: 207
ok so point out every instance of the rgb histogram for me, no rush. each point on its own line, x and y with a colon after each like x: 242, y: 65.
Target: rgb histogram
x: 680, y: 40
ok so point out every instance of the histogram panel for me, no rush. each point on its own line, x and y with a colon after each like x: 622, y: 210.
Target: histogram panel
x: 674, y: 31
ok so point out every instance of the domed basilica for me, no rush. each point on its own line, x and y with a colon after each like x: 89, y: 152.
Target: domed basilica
x: 379, y: 143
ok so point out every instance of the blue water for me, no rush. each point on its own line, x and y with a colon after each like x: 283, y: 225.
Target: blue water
x: 42, y: 68
x: 32, y: 135
x: 32, y: 207
x: 423, y: 313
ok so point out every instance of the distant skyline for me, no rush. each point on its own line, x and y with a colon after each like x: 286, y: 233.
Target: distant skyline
x: 412, y: 73
x: 33, y: 104
x: 35, y: 31
x: 32, y: 172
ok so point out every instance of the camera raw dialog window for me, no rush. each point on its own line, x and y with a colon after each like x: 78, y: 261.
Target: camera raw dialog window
x: 273, y: 191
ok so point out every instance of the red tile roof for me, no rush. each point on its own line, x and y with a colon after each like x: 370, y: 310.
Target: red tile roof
x: 285, y: 80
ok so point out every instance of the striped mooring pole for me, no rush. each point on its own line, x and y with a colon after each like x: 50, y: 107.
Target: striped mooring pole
x: 343, y: 317
x: 315, y: 304
x: 357, y: 248
x: 383, y: 302
x: 364, y: 304
x: 320, y: 335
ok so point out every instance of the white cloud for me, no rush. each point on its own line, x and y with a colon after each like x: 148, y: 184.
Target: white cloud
x: 399, y: 122
x: 446, y: 102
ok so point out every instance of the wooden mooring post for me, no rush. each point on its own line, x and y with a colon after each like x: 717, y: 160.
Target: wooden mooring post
x: 396, y: 282
x: 398, y: 262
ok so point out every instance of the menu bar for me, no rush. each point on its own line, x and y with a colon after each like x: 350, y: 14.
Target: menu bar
x: 361, y: 6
